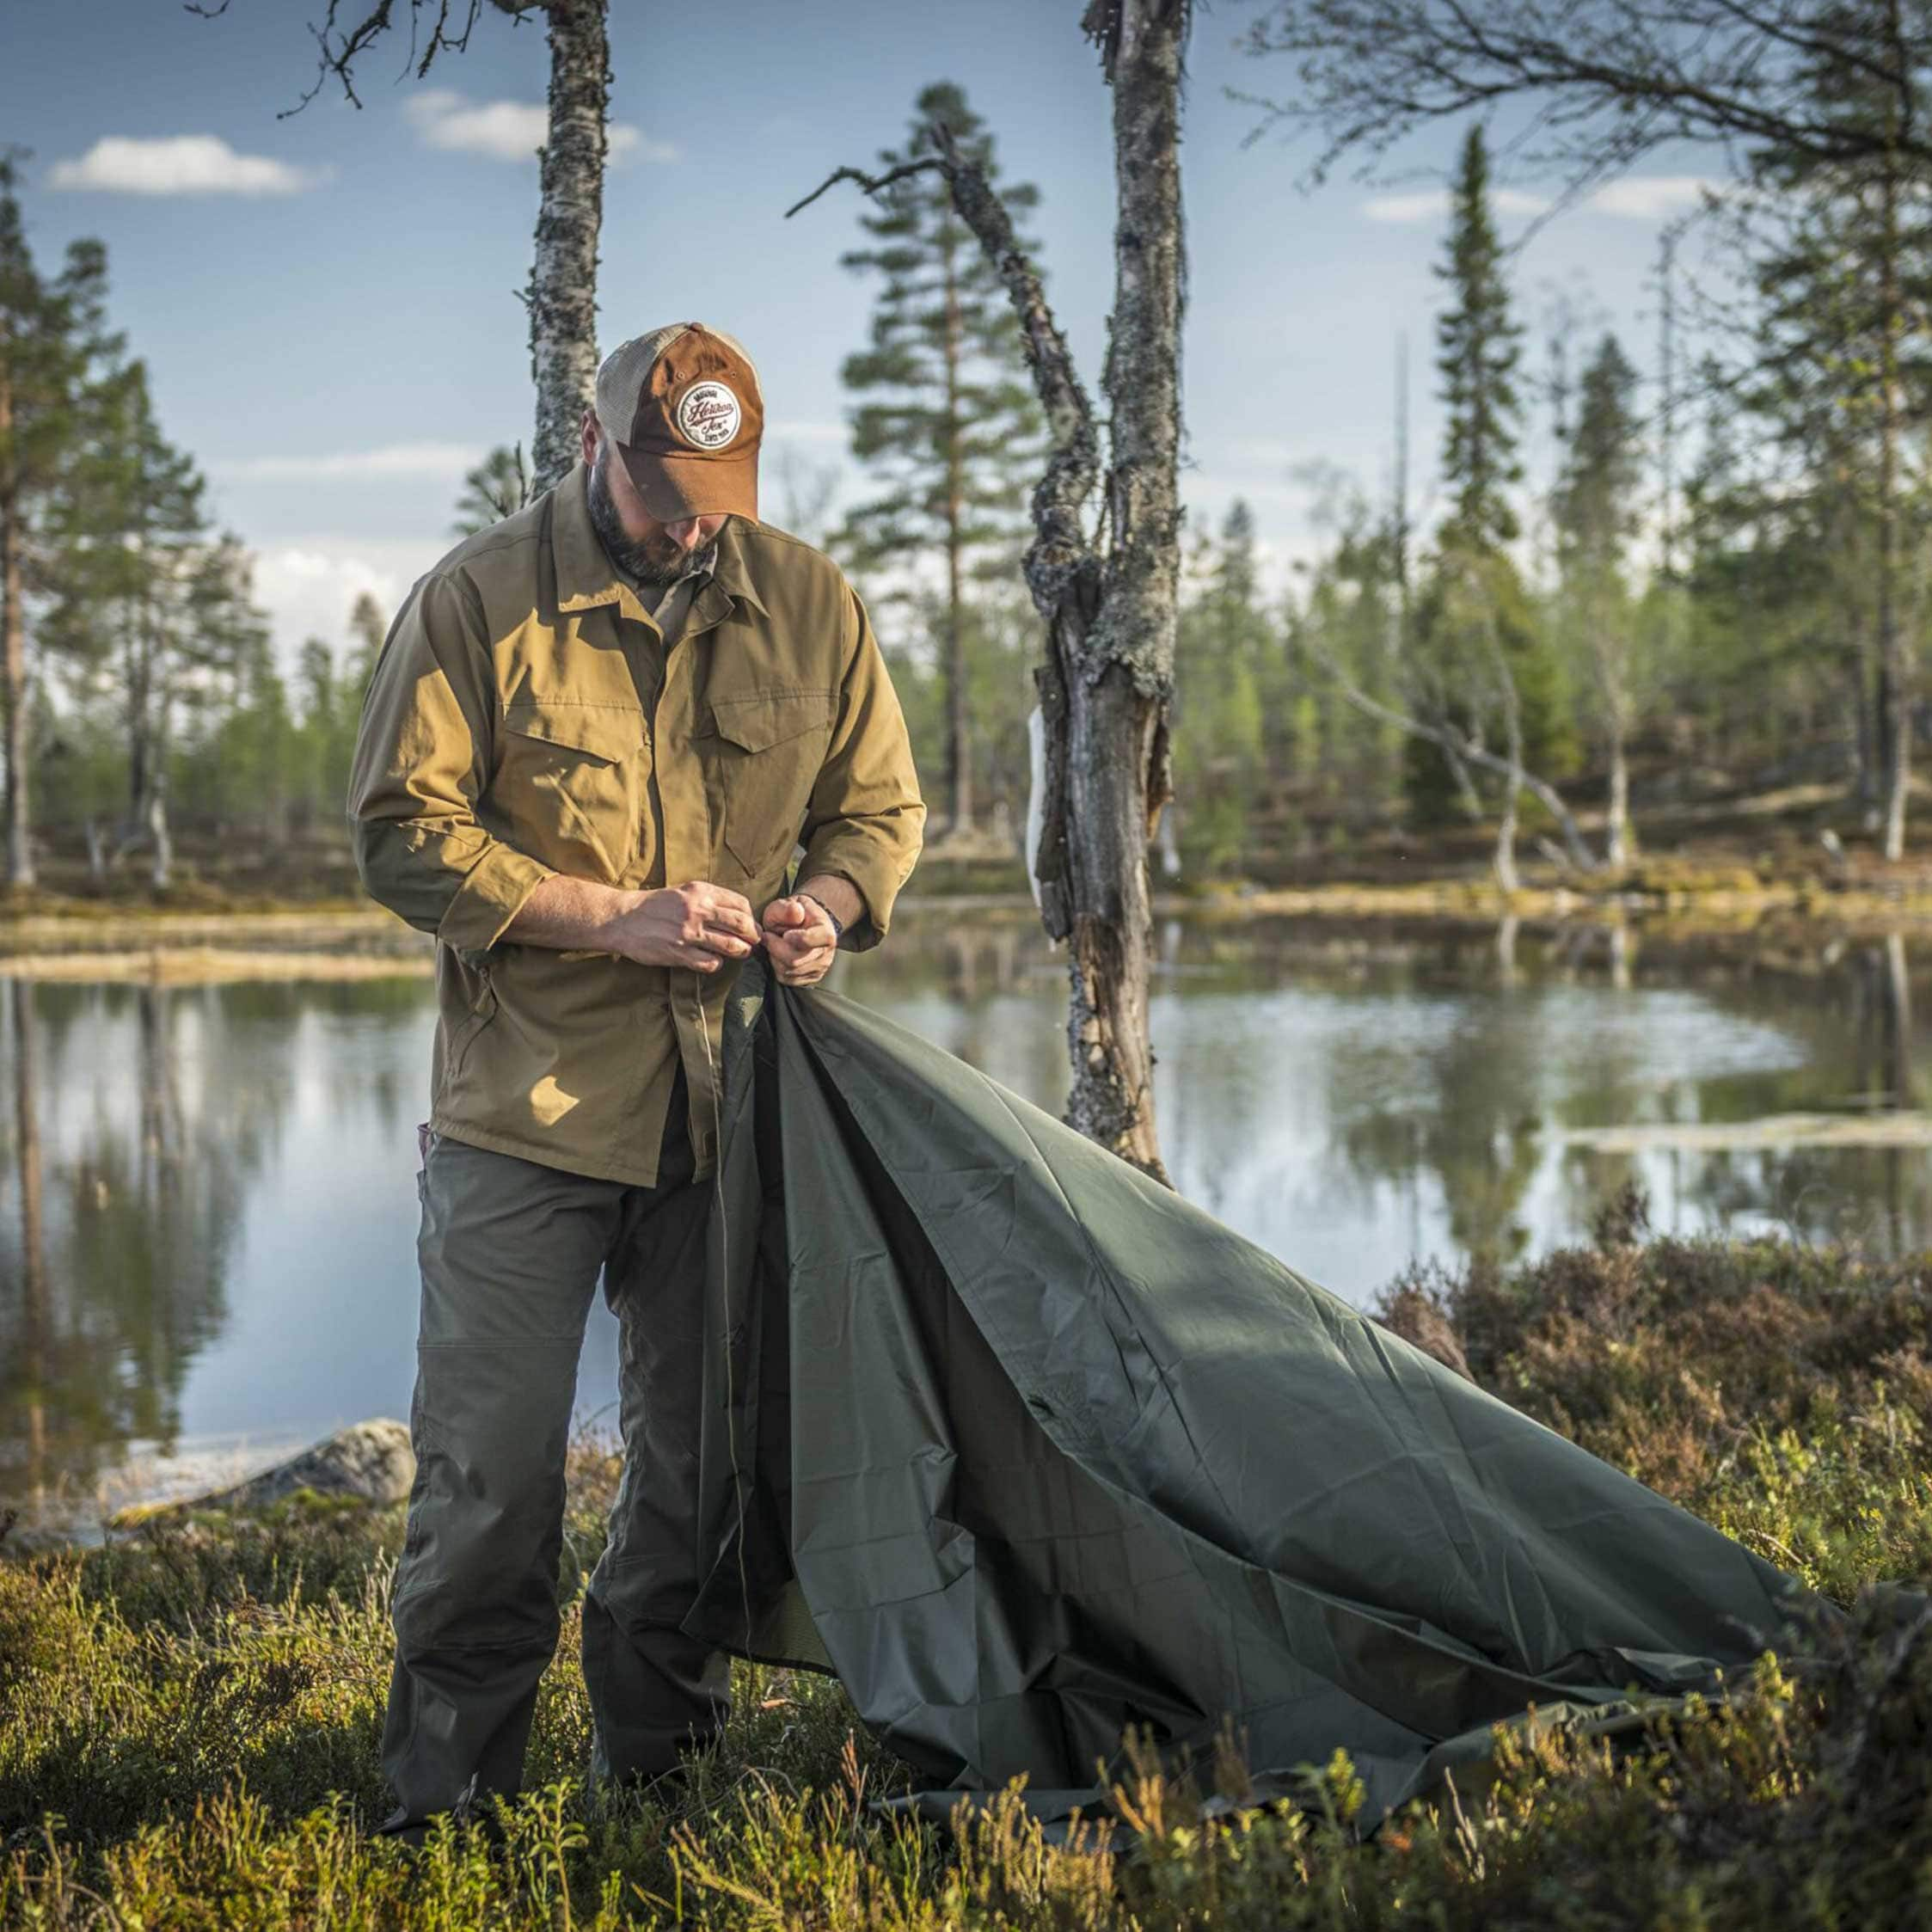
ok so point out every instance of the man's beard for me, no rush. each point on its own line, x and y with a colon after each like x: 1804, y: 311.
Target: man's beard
x: 657, y: 562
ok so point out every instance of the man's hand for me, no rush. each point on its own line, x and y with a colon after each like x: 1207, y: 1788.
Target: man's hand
x: 799, y: 941
x: 697, y: 925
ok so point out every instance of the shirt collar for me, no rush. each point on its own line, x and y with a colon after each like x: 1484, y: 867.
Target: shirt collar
x: 586, y: 577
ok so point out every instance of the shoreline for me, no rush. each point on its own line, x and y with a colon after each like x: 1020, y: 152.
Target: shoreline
x: 342, y: 939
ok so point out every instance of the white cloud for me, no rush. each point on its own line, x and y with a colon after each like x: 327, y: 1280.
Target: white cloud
x: 178, y: 164
x: 307, y: 587
x: 628, y: 142
x: 1635, y: 198
x: 1652, y: 197
x: 1432, y: 205
x: 511, y: 129
x: 426, y: 462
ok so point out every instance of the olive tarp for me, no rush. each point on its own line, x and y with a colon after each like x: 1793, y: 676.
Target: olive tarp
x: 1029, y: 1450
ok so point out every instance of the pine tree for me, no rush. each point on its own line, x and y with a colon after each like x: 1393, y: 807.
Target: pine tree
x: 153, y: 604
x: 49, y: 339
x: 948, y: 414
x: 497, y: 487
x: 1595, y: 512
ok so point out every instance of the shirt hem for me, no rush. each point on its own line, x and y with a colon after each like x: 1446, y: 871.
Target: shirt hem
x: 549, y: 1156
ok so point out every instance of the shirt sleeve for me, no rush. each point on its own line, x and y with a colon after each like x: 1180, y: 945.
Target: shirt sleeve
x: 423, y: 754
x: 865, y: 822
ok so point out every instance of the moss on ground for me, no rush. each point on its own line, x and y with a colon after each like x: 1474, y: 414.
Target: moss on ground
x: 189, y: 1718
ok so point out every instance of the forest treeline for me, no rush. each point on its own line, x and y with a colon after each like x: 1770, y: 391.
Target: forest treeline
x: 1716, y: 584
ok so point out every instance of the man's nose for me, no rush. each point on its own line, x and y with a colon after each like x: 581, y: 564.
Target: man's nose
x: 683, y: 532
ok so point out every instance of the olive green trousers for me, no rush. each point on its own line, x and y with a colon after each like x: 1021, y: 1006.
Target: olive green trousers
x: 509, y: 1253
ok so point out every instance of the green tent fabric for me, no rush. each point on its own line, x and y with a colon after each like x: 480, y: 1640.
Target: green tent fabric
x: 1028, y: 1449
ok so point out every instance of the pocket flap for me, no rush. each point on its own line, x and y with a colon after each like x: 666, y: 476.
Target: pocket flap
x: 606, y: 730
x: 756, y: 719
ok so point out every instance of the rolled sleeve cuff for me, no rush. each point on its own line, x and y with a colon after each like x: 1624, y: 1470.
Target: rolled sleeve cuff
x: 876, y: 876
x: 494, y: 890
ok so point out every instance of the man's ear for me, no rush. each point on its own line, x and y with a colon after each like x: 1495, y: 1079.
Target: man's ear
x: 586, y: 437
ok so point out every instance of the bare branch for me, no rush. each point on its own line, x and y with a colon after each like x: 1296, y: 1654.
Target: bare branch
x: 1606, y: 80
x: 871, y: 183
x: 1459, y: 745
x: 338, y: 48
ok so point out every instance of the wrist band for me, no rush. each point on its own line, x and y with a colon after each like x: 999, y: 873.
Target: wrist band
x: 837, y: 925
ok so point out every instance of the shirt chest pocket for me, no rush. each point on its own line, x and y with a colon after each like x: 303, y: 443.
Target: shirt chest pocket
x: 570, y: 780
x: 768, y: 744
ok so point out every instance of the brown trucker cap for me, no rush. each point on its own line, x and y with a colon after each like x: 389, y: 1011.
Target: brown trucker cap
x: 683, y: 407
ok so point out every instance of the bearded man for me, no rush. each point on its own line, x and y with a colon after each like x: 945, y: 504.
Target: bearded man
x: 595, y: 735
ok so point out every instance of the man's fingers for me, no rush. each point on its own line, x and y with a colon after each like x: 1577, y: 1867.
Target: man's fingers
x: 701, y: 957
x: 790, y: 945
x: 731, y: 910
x: 737, y: 944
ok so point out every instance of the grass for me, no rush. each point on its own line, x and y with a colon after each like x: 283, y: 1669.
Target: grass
x: 189, y: 1717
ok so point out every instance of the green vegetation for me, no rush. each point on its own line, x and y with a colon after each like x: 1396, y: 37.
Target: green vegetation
x: 188, y: 1719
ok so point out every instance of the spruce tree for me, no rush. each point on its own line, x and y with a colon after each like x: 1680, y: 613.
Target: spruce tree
x: 1843, y: 279
x: 1480, y: 665
x: 947, y: 416
x: 1478, y: 346
x: 1224, y: 642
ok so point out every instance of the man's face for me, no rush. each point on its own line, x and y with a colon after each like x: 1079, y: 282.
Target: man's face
x: 652, y: 552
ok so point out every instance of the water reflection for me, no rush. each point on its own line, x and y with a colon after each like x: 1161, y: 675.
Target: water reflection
x: 208, y: 1206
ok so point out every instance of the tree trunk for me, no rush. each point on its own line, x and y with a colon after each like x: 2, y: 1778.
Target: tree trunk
x: 561, y: 295
x: 160, y: 837
x: 13, y: 656
x: 1119, y: 685
x: 1616, y: 837
x: 959, y: 762
x: 1107, y: 678
x: 1895, y: 735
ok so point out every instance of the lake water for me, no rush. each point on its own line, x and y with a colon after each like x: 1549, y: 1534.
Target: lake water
x: 219, y: 1179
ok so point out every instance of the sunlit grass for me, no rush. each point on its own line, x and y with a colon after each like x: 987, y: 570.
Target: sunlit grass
x: 189, y: 1718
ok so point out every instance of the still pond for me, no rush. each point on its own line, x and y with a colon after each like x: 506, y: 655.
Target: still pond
x: 219, y: 1179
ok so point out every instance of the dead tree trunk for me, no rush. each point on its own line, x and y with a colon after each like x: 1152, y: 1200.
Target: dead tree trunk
x: 1107, y: 678
x: 1895, y: 709
x: 13, y: 657
x: 959, y: 752
x: 561, y: 295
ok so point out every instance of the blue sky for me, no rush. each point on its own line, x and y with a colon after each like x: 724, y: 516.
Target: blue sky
x: 325, y: 301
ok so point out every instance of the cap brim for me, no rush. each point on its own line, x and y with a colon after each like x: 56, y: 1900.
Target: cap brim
x: 675, y: 487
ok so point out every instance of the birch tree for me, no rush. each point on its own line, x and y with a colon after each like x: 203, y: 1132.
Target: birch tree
x: 1597, y: 511
x: 1108, y: 589
x: 560, y: 296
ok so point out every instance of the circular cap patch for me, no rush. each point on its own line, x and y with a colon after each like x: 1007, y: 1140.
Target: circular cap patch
x: 708, y: 415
